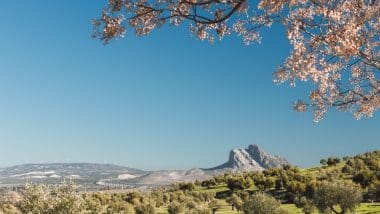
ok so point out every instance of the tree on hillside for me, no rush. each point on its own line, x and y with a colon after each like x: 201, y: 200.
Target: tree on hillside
x: 175, y: 208
x: 118, y: 205
x: 209, y: 183
x: 373, y: 193
x: 236, y: 184
x: 236, y: 202
x: 335, y: 43
x: 332, y: 161
x: 323, y: 161
x: 215, y: 205
x: 145, y: 208
x: 305, y: 204
x: 9, y: 209
x: 364, y: 178
x: 347, y: 169
x: 332, y: 197
x: 186, y: 186
x: 39, y: 198
x: 261, y: 203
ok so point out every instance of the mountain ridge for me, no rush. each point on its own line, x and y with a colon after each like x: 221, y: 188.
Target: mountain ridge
x: 251, y: 158
x: 96, y: 175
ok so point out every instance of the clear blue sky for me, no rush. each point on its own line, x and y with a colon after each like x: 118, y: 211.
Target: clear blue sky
x: 167, y: 101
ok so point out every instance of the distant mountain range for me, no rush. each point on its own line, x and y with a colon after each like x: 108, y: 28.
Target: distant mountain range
x: 97, y: 176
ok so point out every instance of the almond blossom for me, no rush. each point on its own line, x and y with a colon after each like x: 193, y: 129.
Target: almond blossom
x: 335, y: 43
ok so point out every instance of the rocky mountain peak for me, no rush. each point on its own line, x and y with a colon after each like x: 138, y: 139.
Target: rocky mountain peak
x: 241, y: 159
x: 264, y: 159
x: 97, y: 176
x: 256, y: 151
x: 251, y: 158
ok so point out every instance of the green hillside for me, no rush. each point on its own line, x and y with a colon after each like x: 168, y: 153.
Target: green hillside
x: 336, y: 186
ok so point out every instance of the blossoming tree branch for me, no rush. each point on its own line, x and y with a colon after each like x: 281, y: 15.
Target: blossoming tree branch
x: 335, y: 43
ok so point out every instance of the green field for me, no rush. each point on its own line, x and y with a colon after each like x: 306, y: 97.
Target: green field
x: 364, y: 208
x: 368, y: 208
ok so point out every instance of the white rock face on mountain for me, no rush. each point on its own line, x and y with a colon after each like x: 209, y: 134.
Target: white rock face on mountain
x: 264, y: 159
x: 251, y: 159
x: 125, y: 176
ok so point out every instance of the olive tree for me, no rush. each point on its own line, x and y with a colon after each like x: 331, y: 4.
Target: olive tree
x: 305, y: 204
x: 235, y: 202
x: 337, y: 197
x: 40, y: 199
x: 145, y: 208
x: 261, y: 203
x: 175, y: 208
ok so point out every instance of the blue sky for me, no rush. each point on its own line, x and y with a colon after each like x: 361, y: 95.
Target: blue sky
x: 167, y: 101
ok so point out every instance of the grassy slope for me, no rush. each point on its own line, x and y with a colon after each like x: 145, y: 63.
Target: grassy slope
x: 364, y: 207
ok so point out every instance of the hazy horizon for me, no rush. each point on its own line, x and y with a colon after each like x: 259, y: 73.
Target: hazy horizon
x: 153, y: 169
x: 165, y: 101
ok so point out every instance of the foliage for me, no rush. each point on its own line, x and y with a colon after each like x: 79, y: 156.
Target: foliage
x: 235, y: 184
x: 209, y: 183
x: 41, y: 199
x: 329, y: 196
x: 373, y: 193
x: 305, y: 204
x: 186, y: 186
x: 364, y: 178
x: 200, y: 210
x: 145, y: 208
x: 236, y: 202
x: 323, y: 161
x: 9, y: 209
x: 335, y: 44
x: 261, y: 203
x: 91, y: 204
x: 215, y: 204
x: 332, y: 161
x: 119, y: 206
x: 328, y: 188
x: 175, y: 208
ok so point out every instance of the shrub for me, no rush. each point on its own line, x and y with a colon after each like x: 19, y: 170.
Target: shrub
x: 9, y: 209
x: 215, y: 205
x: 323, y: 161
x: 209, y: 183
x: 347, y: 169
x: 43, y: 199
x: 117, y: 205
x: 305, y: 204
x: 373, y: 193
x: 145, y: 208
x: 175, y: 208
x: 235, y: 184
x: 261, y: 203
x: 92, y: 205
x: 364, y: 178
x: 235, y: 202
x: 332, y: 161
x: 186, y: 186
